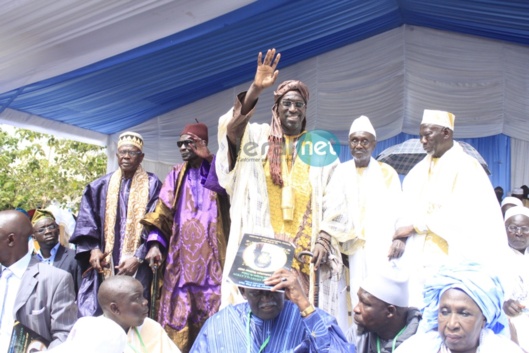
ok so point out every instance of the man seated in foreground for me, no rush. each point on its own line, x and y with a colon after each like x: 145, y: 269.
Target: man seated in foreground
x: 121, y: 298
x: 269, y: 323
x: 382, y: 314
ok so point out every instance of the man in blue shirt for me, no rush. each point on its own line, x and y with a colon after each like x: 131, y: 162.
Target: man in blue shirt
x: 269, y: 323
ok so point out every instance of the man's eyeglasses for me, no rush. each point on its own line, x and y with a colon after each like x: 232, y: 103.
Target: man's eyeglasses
x: 288, y: 104
x: 129, y: 153
x: 43, y: 230
x: 363, y: 142
x: 515, y: 229
x: 185, y: 143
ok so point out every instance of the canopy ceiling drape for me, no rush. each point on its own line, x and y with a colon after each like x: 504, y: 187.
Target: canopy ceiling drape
x: 391, y: 78
x: 357, y: 57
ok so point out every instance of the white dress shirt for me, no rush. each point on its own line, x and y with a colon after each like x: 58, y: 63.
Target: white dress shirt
x: 8, y: 293
x: 53, y: 252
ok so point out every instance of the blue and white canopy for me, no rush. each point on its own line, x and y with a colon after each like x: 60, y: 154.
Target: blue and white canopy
x: 92, y: 69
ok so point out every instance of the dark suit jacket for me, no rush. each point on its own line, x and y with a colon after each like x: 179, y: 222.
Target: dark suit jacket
x: 46, y: 301
x: 65, y: 260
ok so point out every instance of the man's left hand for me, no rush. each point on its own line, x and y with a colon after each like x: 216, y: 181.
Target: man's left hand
x: 128, y: 267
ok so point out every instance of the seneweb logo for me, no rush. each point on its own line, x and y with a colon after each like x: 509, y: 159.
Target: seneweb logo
x: 318, y: 148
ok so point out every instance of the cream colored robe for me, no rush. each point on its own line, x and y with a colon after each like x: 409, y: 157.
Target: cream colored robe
x: 455, y: 201
x: 520, y: 291
x: 250, y: 212
x: 155, y: 339
x: 360, y: 211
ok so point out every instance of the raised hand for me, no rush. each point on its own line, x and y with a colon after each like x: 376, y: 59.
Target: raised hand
x: 265, y: 76
x: 200, y: 148
x: 266, y: 73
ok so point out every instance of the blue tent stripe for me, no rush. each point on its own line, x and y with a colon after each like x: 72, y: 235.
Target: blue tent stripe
x: 133, y: 87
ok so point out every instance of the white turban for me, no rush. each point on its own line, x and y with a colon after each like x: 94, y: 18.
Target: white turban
x: 362, y: 124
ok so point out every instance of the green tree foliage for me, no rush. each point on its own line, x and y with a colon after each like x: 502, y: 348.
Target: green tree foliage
x: 36, y: 169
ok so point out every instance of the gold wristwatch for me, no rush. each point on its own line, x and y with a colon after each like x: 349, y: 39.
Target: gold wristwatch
x: 310, y: 309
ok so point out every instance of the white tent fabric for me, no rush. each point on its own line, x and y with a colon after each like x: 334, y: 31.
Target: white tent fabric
x: 391, y: 78
x: 519, y: 162
x: 36, y: 123
x: 45, y: 38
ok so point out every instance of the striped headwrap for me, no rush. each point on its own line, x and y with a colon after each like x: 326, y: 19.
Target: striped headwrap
x: 275, y: 139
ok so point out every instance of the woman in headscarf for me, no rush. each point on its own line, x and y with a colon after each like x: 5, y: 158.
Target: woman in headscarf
x: 463, y: 314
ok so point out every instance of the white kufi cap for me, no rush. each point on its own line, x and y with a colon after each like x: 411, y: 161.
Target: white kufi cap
x: 509, y: 200
x: 516, y: 210
x: 362, y: 124
x: 390, y: 286
x: 438, y: 117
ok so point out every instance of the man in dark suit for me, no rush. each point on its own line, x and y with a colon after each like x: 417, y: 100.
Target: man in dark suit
x: 39, y: 296
x: 46, y: 233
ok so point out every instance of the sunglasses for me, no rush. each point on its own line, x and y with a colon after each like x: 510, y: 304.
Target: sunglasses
x: 185, y: 143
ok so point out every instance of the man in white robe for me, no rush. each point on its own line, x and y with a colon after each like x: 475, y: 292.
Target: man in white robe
x: 363, y: 199
x: 275, y: 192
x: 451, y: 208
x: 516, y: 305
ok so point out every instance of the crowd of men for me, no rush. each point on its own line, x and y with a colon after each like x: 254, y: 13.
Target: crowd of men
x: 437, y: 264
